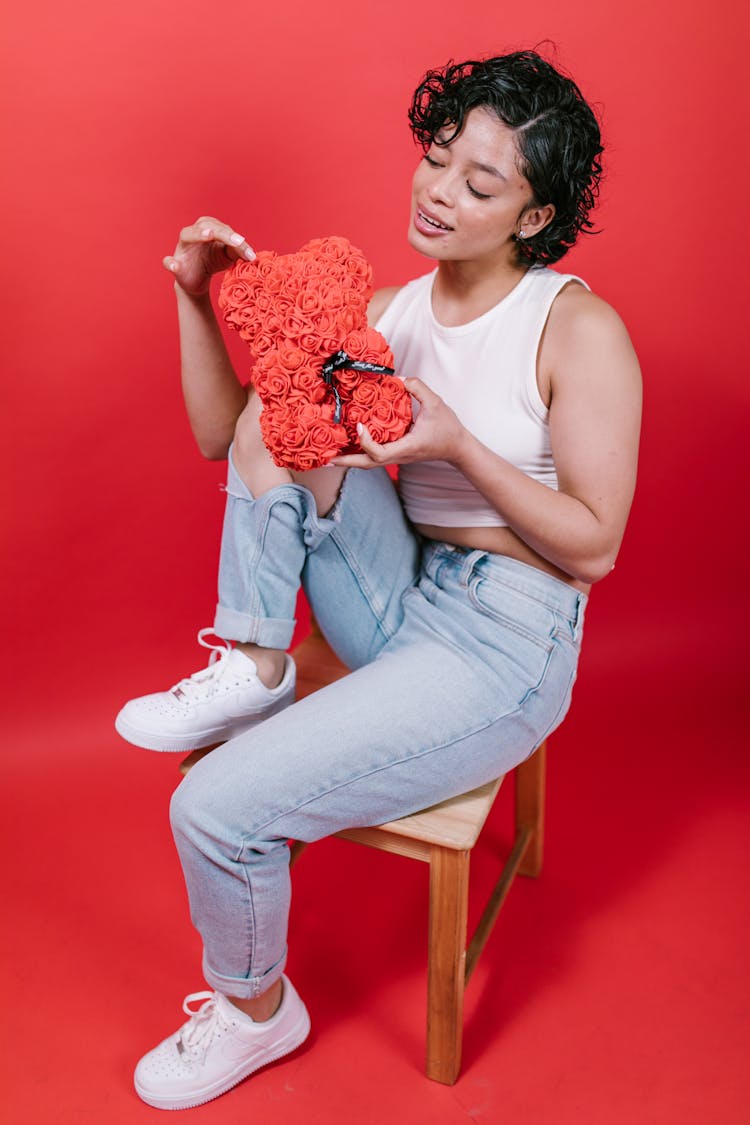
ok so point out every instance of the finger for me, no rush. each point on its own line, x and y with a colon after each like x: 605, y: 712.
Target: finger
x: 212, y: 230
x: 354, y: 461
x: 420, y: 391
x: 371, y: 447
x: 390, y: 452
x: 170, y: 264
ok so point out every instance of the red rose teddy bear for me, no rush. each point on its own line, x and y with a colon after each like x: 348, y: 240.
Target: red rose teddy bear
x: 319, y: 370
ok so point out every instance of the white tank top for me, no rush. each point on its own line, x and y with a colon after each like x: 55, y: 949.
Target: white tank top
x: 486, y: 372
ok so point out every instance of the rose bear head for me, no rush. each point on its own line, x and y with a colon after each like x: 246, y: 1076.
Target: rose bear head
x: 319, y: 368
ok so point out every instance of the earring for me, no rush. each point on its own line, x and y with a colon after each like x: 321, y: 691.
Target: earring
x: 522, y: 234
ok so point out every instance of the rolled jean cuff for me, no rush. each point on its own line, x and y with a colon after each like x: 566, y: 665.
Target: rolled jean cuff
x: 268, y: 632
x: 244, y: 988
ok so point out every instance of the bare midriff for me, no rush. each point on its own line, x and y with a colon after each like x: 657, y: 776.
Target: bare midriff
x: 500, y: 541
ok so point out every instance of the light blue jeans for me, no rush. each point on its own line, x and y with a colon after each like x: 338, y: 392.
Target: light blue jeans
x: 463, y: 663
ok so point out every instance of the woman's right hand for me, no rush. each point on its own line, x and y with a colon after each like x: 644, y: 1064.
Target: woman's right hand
x: 203, y: 249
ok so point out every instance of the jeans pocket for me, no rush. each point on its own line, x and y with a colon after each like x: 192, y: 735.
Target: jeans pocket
x: 516, y: 611
x: 517, y: 634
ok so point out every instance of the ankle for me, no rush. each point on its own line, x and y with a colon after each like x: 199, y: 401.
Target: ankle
x: 260, y: 1008
x: 270, y: 662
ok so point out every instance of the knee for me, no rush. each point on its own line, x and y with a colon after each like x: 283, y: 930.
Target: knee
x: 247, y: 435
x: 206, y: 817
x: 252, y: 460
x: 325, y: 485
x: 190, y: 810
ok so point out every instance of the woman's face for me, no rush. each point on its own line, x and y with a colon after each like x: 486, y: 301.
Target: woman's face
x: 468, y: 196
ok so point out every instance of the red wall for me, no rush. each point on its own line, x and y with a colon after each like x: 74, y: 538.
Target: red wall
x: 289, y: 121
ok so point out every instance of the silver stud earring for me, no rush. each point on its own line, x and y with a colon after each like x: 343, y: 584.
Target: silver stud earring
x: 522, y: 234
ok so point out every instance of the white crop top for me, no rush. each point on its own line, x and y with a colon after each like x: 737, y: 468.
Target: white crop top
x: 486, y: 372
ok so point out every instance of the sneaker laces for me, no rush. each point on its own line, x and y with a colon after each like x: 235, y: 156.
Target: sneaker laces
x: 197, y: 1033
x: 203, y: 683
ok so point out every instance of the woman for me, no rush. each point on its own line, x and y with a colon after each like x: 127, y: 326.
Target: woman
x: 459, y: 604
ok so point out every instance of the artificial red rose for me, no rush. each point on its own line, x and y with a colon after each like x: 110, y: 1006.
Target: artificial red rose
x: 294, y: 436
x: 384, y: 423
x: 309, y: 412
x: 323, y: 324
x: 357, y: 267
x: 264, y: 302
x: 384, y: 413
x: 325, y: 440
x: 309, y: 301
x: 240, y: 293
x: 367, y: 344
x: 273, y: 420
x: 357, y: 343
x: 289, y: 357
x: 293, y: 324
x: 309, y: 342
x: 337, y: 249
x: 272, y: 384
x: 391, y: 388
x: 386, y: 420
x: 367, y: 393
x: 271, y: 323
x: 347, y: 319
x: 275, y: 283
x: 307, y: 383
x: 264, y: 262
x: 263, y: 342
x: 354, y: 413
x: 347, y: 379
x: 330, y: 292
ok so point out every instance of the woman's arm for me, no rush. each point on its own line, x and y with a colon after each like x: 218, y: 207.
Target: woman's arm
x: 214, y: 397
x: 590, y: 368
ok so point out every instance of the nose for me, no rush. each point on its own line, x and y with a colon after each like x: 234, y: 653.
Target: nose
x: 442, y: 187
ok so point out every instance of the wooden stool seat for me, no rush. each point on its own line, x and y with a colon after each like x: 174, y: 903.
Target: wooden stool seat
x: 455, y: 823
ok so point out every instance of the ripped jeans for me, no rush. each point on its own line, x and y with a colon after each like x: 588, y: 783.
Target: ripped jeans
x: 463, y: 662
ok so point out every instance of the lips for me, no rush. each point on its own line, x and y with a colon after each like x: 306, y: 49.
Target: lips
x: 429, y: 223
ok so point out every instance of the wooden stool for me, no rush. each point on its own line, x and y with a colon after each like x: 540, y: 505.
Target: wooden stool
x: 443, y: 837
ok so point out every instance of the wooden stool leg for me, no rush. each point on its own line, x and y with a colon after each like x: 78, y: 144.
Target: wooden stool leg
x: 530, y: 779
x: 449, y: 893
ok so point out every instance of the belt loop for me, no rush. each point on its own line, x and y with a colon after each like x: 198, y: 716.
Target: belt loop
x: 472, y: 558
x: 580, y: 607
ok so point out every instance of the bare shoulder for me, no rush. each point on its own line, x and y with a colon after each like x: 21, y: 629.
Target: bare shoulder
x: 379, y: 302
x: 585, y: 338
x: 578, y: 317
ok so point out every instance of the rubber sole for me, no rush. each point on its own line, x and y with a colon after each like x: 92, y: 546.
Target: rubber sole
x: 182, y: 743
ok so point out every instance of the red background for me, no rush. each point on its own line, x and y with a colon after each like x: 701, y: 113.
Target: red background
x: 289, y: 121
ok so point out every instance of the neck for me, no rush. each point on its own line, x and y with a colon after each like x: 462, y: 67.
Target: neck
x: 465, y: 290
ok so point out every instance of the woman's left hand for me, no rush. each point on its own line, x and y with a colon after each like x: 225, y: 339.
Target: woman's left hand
x: 436, y: 435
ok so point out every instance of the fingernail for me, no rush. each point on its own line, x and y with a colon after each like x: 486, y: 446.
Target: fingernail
x: 360, y: 428
x: 206, y: 232
x: 250, y: 253
x: 236, y: 239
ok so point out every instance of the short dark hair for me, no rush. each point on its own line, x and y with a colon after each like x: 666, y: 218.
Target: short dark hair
x: 557, y: 133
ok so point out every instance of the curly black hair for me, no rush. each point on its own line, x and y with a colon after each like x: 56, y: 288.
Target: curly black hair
x: 557, y: 134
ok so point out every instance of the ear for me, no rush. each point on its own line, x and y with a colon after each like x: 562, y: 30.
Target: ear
x: 535, y: 219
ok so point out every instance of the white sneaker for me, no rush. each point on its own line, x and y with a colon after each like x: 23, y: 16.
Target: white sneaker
x: 212, y: 705
x: 217, y: 1047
